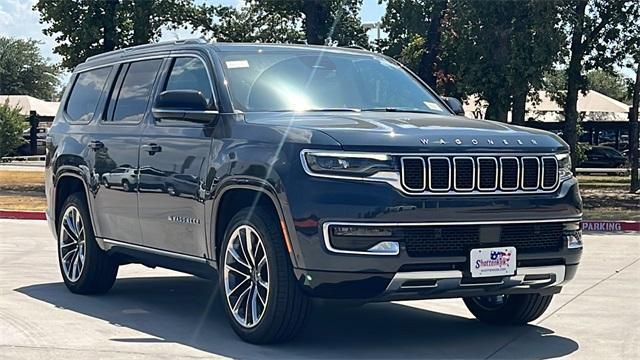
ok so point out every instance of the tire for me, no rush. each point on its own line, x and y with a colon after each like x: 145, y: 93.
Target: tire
x: 126, y: 186
x: 508, y: 309
x: 285, y: 307
x: 94, y: 272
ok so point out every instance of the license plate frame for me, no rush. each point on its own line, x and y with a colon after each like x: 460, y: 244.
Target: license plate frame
x: 493, y: 261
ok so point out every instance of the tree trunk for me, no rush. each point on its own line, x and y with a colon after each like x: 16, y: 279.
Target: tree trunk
x: 429, y: 59
x: 574, y: 78
x: 519, y: 106
x: 142, y: 32
x: 633, y: 131
x: 109, y: 24
x: 316, y: 14
x: 498, y: 110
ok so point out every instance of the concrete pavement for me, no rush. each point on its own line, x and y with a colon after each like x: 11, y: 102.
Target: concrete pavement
x: 161, y: 314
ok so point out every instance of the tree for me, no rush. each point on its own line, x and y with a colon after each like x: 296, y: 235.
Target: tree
x: 323, y: 20
x: 86, y: 28
x: 503, y: 49
x: 609, y: 83
x: 251, y: 23
x: 597, y: 28
x: 24, y: 71
x: 11, y: 127
x: 415, y: 31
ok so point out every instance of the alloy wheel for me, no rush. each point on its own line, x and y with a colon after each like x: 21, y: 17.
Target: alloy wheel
x: 246, y: 276
x: 72, y: 244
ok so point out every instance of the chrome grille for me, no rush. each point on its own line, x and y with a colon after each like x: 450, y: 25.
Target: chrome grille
x: 478, y: 174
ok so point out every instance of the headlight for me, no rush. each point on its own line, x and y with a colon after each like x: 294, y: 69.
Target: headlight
x: 347, y: 163
x: 564, y: 166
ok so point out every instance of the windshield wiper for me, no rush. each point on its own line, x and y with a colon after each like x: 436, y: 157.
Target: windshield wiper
x: 333, y: 109
x: 393, y: 109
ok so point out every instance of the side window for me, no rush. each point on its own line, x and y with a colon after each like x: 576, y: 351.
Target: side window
x: 132, y: 91
x: 189, y: 73
x: 84, y: 96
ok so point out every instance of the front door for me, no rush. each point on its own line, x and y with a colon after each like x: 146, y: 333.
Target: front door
x: 173, y: 157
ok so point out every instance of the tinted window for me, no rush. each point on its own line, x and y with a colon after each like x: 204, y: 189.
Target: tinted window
x: 134, y: 90
x: 189, y: 73
x: 85, y: 94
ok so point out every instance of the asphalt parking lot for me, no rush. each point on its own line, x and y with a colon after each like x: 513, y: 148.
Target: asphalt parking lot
x: 160, y: 314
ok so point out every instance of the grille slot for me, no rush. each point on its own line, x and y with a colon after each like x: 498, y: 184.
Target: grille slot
x: 464, y: 174
x: 457, y: 240
x: 530, y: 173
x: 549, y: 172
x: 510, y: 173
x: 487, y: 173
x: 413, y: 173
x: 440, y: 173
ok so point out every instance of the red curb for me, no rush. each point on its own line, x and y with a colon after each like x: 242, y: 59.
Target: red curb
x: 22, y: 215
x: 610, y: 225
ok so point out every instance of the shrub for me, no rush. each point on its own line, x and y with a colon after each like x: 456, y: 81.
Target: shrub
x: 11, y: 127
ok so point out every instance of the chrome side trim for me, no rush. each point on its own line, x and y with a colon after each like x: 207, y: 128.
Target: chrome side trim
x: 451, y: 279
x: 111, y: 243
x: 424, y: 173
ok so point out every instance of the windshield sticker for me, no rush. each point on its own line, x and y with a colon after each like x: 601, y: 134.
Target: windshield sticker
x: 237, y: 64
x: 432, y: 105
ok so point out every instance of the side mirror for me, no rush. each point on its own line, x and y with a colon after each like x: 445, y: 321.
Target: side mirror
x: 188, y: 105
x: 454, y: 104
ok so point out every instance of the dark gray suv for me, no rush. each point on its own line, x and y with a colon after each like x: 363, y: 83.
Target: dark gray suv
x: 288, y: 172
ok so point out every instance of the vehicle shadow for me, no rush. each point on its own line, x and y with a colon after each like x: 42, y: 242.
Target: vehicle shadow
x: 188, y: 311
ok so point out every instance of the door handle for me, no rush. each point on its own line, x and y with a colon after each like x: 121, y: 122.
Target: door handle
x: 95, y: 144
x: 151, y: 148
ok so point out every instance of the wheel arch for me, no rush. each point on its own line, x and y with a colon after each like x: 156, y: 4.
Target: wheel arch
x: 68, y: 183
x: 236, y: 196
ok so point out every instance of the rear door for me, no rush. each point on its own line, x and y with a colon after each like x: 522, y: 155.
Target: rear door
x: 172, y: 158
x: 115, y: 145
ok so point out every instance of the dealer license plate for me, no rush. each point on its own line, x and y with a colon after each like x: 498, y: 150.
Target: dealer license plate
x: 498, y: 261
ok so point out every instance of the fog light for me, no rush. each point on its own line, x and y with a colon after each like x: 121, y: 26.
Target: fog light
x: 364, y: 231
x: 385, y: 247
x: 574, y: 239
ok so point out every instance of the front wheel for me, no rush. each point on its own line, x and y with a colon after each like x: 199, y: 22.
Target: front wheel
x: 508, y: 309
x: 262, y: 300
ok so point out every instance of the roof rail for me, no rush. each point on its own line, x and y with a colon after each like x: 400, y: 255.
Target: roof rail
x: 145, y: 46
x: 358, y: 47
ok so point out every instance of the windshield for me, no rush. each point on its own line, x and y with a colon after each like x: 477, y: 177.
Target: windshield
x: 322, y: 80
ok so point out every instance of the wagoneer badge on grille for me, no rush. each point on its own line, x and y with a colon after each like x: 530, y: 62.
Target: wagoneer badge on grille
x: 458, y: 141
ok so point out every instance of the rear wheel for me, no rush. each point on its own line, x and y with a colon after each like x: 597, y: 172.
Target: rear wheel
x: 126, y: 186
x: 85, y: 268
x: 508, y: 309
x: 262, y: 300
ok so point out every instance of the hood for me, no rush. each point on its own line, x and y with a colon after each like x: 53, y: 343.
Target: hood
x: 415, y: 132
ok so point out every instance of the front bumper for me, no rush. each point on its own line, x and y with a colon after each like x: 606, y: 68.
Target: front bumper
x: 324, y: 272
x: 415, y: 285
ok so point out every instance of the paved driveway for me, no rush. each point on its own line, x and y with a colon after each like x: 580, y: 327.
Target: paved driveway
x: 160, y: 314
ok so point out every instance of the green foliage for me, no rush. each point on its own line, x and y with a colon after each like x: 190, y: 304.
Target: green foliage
x: 609, y: 83
x: 83, y: 28
x: 23, y: 70
x: 251, y: 23
x: 11, y: 126
x: 322, y: 20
